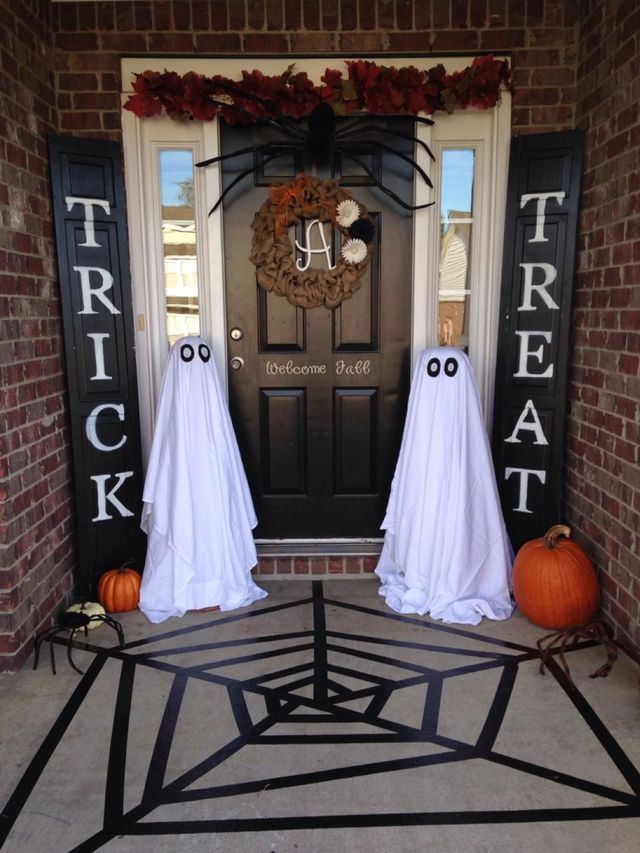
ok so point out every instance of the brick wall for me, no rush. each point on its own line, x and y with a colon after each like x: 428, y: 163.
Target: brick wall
x: 603, y: 477
x: 90, y: 37
x: 35, y: 523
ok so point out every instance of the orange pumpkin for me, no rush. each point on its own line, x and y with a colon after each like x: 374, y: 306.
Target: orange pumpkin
x: 554, y: 581
x: 119, y: 589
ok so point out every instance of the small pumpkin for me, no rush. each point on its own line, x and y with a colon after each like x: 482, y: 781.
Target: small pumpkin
x: 91, y: 608
x: 554, y: 582
x: 119, y: 589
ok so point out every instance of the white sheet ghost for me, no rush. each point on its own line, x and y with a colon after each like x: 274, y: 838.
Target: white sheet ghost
x: 446, y: 551
x: 197, y: 508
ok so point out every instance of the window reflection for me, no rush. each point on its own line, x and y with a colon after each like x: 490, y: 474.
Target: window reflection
x: 179, y: 244
x: 456, y: 226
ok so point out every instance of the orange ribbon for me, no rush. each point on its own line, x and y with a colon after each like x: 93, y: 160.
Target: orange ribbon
x: 282, y: 195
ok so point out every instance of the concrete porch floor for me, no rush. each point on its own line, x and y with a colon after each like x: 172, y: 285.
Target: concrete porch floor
x: 318, y: 720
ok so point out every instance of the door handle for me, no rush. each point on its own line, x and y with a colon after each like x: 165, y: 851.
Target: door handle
x: 237, y: 363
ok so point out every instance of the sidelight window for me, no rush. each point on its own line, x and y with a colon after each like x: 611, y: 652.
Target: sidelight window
x: 456, y: 227
x: 179, y: 244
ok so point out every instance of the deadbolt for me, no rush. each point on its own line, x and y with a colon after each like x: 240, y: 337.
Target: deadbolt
x: 237, y: 363
x: 236, y: 334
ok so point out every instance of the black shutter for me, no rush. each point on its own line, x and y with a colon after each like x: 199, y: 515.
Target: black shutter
x: 535, y: 314
x: 97, y: 315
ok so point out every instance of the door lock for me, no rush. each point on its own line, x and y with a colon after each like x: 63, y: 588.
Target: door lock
x: 237, y: 363
x: 236, y: 334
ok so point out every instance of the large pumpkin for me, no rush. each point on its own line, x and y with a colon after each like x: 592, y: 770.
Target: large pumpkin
x: 119, y: 589
x: 554, y: 581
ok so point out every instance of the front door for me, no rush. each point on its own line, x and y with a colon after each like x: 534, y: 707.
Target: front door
x: 318, y: 396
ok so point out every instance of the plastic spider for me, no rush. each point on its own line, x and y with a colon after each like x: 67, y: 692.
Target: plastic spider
x: 322, y: 138
x: 72, y: 622
x: 598, y: 631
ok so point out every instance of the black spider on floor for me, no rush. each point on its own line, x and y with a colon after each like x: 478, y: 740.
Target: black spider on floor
x: 73, y: 621
x: 322, y: 138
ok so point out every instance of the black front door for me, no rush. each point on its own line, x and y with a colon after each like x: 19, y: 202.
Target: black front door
x: 318, y: 396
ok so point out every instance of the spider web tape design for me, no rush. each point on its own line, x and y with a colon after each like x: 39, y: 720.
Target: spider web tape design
x: 325, y: 706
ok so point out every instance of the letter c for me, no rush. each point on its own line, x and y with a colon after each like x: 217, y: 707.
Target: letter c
x: 92, y: 433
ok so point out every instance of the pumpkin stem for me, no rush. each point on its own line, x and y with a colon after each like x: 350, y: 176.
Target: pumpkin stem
x: 554, y: 533
x: 127, y: 563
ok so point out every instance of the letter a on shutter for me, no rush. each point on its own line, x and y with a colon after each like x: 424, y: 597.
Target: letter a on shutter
x: 97, y: 317
x: 535, y: 313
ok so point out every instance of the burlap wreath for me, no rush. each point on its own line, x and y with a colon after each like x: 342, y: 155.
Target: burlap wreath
x: 306, y: 198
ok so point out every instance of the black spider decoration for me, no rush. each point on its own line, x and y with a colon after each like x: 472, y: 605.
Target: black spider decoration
x: 322, y: 138
x: 598, y: 631
x: 73, y: 621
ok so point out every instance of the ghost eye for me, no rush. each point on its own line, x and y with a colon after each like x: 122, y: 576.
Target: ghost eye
x: 204, y: 352
x: 451, y: 367
x: 433, y: 368
x: 187, y: 352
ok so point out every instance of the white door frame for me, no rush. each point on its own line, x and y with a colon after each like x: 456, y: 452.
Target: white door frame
x: 488, y: 131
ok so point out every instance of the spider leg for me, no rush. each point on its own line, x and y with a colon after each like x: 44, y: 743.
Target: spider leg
x: 343, y: 135
x: 612, y: 657
x: 42, y: 636
x: 263, y: 148
x: 402, y: 156
x: 69, y: 647
x: 353, y: 122
x: 565, y: 665
x: 52, y: 656
x: 237, y: 180
x: 117, y: 627
x: 384, y: 189
x: 552, y: 637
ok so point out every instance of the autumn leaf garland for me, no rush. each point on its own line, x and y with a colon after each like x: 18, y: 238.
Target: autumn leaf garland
x: 368, y: 87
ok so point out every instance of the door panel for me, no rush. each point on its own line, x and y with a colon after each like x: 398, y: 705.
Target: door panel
x: 319, y: 402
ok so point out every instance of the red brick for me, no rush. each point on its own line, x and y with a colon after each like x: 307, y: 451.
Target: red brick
x: 284, y: 566
x: 313, y: 42
x: 441, y: 16
x: 217, y: 42
x: 301, y: 566
x: 142, y: 16
x: 367, y: 42
x: 409, y: 41
x: 459, y: 12
x: 478, y: 13
x: 182, y: 14
x: 348, y: 15
x: 404, y: 14
x: 74, y: 82
x: 256, y: 14
x: 237, y: 16
x: 275, y: 12
x: 266, y: 43
x: 311, y: 14
x: 266, y: 565
x: 76, y: 42
x: 367, y: 14
x: 369, y: 564
x: 318, y: 566
x: 219, y: 15
x: 455, y: 40
x: 497, y: 12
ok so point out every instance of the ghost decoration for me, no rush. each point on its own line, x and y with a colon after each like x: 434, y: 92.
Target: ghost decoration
x: 446, y: 551
x: 197, y: 508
